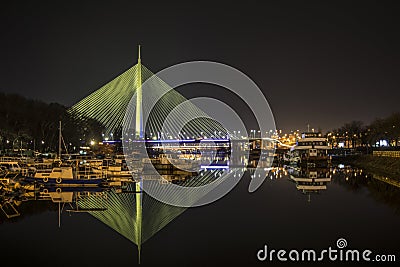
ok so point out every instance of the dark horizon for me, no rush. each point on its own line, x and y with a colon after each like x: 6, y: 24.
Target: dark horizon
x: 319, y: 64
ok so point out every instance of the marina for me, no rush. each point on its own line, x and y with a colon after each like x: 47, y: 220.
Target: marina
x: 190, y: 134
x: 128, y: 184
x: 75, y: 207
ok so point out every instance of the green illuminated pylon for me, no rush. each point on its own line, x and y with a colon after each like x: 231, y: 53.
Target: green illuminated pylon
x: 139, y: 117
x: 139, y: 134
x: 109, y: 107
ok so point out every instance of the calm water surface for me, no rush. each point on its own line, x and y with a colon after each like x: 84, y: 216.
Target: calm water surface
x: 363, y: 210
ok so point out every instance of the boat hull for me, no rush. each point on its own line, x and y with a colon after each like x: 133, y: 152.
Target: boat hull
x: 66, y: 182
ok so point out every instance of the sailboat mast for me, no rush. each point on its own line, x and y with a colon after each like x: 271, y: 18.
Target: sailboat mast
x: 59, y: 140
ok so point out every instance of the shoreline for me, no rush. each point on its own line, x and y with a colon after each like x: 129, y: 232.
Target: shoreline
x: 386, y: 166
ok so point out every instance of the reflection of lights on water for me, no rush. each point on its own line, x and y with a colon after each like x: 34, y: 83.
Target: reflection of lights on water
x: 347, y: 178
x: 214, y: 167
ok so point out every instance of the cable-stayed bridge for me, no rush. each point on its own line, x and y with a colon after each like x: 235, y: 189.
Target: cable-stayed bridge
x: 136, y: 215
x: 109, y: 106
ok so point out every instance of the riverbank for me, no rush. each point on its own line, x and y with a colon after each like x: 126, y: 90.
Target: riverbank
x: 385, y: 166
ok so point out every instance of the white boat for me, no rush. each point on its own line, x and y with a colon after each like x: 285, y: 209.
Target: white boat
x: 66, y: 174
x: 111, y: 168
x: 311, y: 150
x: 11, y: 166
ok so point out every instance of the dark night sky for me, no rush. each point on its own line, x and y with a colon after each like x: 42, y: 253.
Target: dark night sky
x: 319, y: 63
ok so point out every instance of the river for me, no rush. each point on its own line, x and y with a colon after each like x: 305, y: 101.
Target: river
x: 354, y: 206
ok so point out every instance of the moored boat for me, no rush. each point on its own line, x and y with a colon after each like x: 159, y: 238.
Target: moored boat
x: 311, y: 150
x: 66, y: 176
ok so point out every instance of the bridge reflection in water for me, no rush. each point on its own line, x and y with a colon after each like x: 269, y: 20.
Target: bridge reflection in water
x: 136, y: 215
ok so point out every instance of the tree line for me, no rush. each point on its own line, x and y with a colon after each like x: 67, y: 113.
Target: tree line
x: 32, y: 124
x: 356, y: 133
